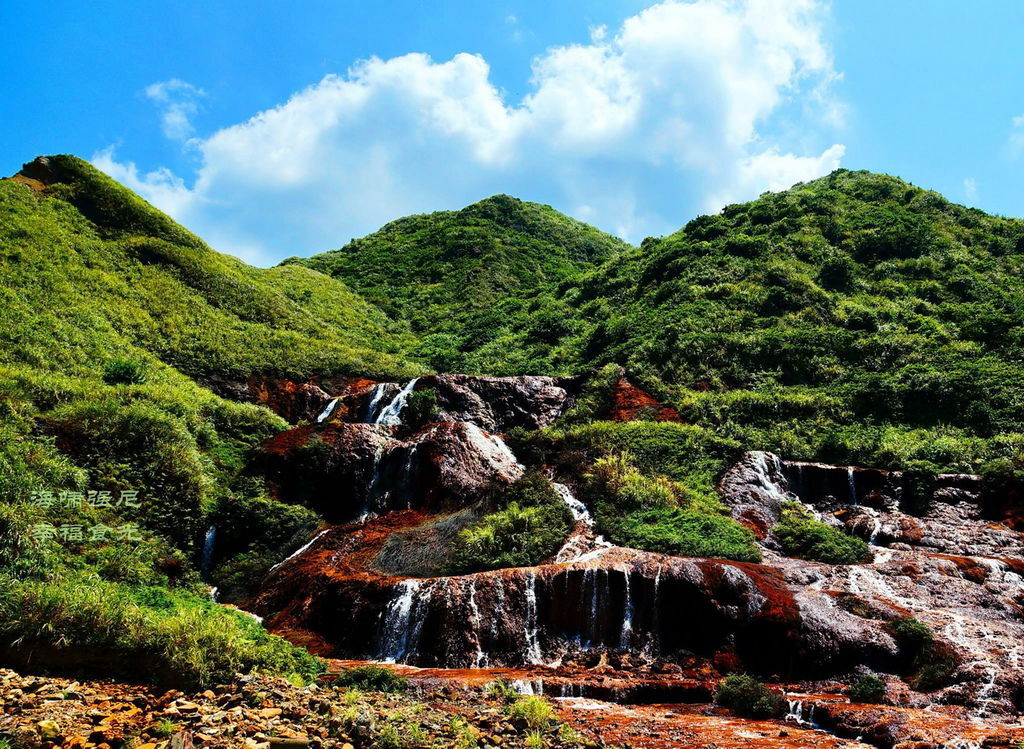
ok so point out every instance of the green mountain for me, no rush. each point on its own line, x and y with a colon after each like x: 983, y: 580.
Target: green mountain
x: 855, y: 318
x: 483, y: 287
x: 109, y: 314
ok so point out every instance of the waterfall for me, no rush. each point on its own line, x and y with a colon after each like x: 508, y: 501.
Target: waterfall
x: 851, y: 483
x: 797, y: 711
x: 300, y: 550
x: 326, y: 413
x: 627, y: 614
x: 206, y: 560
x: 481, y: 659
x: 403, y: 621
x: 375, y: 398
x: 578, y: 509
x: 764, y: 472
x: 488, y: 443
x: 533, y: 652
x: 392, y: 414
x: 876, y: 528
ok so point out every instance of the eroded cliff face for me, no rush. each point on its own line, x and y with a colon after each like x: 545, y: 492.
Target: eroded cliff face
x: 666, y: 620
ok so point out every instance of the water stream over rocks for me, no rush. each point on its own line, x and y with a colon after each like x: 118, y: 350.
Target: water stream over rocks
x: 657, y: 626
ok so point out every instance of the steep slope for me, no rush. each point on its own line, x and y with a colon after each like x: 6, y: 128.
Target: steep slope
x: 855, y: 318
x: 482, y: 285
x: 111, y: 316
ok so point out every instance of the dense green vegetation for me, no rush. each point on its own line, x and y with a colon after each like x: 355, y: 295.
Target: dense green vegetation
x: 482, y: 286
x: 109, y: 315
x: 800, y: 535
x: 853, y: 319
x: 749, y: 698
x: 526, y: 525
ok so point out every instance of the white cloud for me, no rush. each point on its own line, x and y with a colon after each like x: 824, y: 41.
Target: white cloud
x: 1017, y: 136
x: 971, y: 189
x: 687, y: 106
x: 178, y: 102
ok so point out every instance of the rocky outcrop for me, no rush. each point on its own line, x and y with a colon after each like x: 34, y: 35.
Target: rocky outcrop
x: 755, y: 489
x: 347, y: 471
x: 498, y: 404
x: 731, y: 614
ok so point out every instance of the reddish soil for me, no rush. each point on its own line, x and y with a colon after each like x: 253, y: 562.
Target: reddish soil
x: 629, y: 401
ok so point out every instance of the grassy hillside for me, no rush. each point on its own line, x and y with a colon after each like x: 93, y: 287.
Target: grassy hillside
x: 109, y: 313
x: 483, y: 287
x: 854, y: 318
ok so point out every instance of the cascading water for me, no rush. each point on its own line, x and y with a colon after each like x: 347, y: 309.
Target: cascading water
x: 392, y: 413
x: 206, y: 560
x: 326, y: 413
x: 581, y: 541
x: 376, y: 397
x: 627, y: 615
x: 300, y: 551
x: 851, y: 483
x: 398, y: 630
x: 533, y: 652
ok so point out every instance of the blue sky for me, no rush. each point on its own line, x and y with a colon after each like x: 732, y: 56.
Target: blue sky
x: 278, y: 129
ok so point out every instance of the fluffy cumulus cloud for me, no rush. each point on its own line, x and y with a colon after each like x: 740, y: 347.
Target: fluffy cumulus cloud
x: 683, y: 108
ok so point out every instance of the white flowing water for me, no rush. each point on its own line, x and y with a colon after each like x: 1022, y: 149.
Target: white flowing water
x: 392, y: 413
x: 851, y: 484
x: 578, y: 509
x: 627, y: 615
x: 581, y: 544
x: 326, y: 413
x: 480, y: 660
x: 376, y: 397
x: 490, y: 445
x: 533, y: 653
x: 301, y: 550
x: 800, y: 713
x: 402, y: 620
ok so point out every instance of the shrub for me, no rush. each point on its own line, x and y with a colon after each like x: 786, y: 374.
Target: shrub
x: 167, y: 637
x: 502, y: 690
x: 868, y: 688
x: 749, y: 698
x: 912, y: 633
x: 536, y: 713
x: 124, y: 372
x: 530, y: 525
x: 372, y: 679
x: 657, y: 514
x: 802, y: 536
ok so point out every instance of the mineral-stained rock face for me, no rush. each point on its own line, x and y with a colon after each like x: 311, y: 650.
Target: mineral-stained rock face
x: 949, y: 566
x: 498, y: 404
x: 736, y: 614
x: 347, y: 471
x: 755, y: 489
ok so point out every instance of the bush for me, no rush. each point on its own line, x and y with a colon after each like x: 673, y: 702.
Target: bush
x: 749, y: 698
x: 912, y: 633
x: 867, y: 688
x: 802, y: 536
x: 372, y: 679
x: 124, y: 372
x: 657, y: 514
x: 171, y: 638
x: 536, y: 713
x: 530, y: 525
